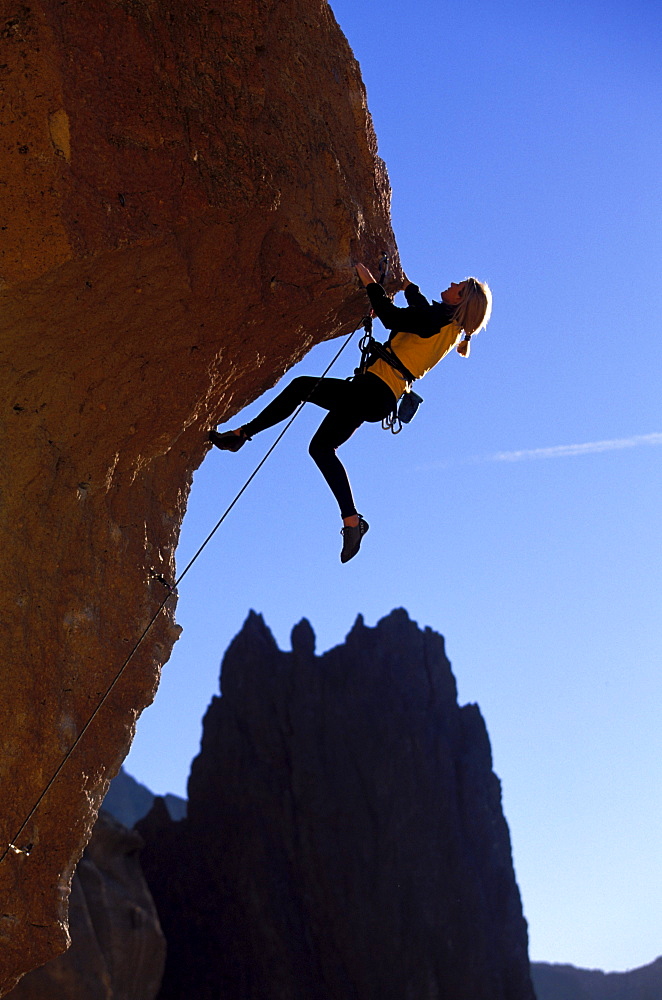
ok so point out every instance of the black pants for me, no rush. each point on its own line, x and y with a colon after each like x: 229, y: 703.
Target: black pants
x: 349, y: 404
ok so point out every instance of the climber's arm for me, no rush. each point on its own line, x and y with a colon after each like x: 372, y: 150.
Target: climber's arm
x: 414, y: 296
x: 425, y: 320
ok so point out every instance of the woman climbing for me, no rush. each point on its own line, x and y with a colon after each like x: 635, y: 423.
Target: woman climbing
x: 422, y: 333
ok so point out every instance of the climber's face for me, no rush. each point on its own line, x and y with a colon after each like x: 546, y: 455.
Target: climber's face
x: 453, y: 294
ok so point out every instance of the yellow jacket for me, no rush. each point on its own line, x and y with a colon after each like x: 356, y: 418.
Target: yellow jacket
x: 424, y: 334
x: 417, y: 354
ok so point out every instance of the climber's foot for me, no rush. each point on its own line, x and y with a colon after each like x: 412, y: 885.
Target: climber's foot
x: 351, y: 539
x: 229, y: 440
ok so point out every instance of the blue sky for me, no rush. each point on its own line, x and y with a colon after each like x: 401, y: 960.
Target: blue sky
x: 523, y: 143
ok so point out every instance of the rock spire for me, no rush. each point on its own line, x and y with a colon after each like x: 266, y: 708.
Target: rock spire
x: 345, y: 838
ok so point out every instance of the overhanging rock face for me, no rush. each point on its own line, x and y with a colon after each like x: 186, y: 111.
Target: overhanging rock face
x: 183, y: 189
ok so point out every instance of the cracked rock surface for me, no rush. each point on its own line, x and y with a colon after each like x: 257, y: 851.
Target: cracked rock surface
x: 184, y: 189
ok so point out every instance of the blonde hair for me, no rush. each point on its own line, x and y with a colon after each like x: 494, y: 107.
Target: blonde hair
x: 473, y: 313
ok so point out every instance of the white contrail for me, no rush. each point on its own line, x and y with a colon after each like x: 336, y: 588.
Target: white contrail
x: 556, y: 451
x: 563, y: 450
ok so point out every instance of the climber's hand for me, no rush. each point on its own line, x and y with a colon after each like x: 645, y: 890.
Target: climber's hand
x: 364, y: 274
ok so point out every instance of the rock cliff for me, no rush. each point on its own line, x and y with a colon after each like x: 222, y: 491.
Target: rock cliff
x: 184, y: 186
x: 118, y: 949
x: 345, y: 838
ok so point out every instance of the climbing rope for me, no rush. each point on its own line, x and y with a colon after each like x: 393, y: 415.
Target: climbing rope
x: 25, y: 850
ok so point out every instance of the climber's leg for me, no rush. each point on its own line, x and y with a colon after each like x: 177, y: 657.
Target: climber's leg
x: 335, y: 429
x: 326, y: 392
x: 366, y: 395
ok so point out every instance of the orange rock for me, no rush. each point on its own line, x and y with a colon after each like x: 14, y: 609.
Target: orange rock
x: 184, y: 189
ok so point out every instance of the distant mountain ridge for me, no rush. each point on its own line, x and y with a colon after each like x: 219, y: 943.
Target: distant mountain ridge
x: 566, y: 982
x: 128, y: 801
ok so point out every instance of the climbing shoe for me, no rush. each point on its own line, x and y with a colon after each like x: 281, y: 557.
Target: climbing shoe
x: 228, y: 441
x: 351, y: 539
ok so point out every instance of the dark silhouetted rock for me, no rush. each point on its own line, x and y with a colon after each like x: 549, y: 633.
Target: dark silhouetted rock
x: 117, y: 948
x: 566, y: 982
x: 128, y: 801
x: 345, y: 837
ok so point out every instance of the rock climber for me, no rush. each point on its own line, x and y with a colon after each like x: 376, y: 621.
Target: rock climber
x: 422, y: 333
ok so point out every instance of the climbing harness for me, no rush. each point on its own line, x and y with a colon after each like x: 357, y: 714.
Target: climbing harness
x: 371, y: 350
x: 25, y: 850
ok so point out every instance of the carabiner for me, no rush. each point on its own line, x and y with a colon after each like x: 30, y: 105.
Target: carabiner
x: 383, y: 267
